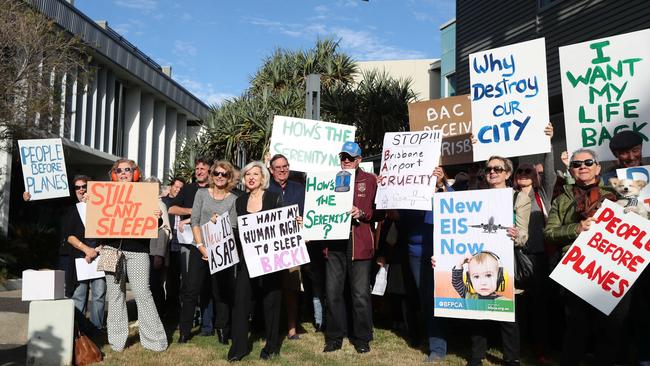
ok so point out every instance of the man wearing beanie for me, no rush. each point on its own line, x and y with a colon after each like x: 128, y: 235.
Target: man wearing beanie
x: 626, y: 147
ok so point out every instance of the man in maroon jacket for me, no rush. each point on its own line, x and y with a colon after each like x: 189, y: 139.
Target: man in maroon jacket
x: 351, y: 259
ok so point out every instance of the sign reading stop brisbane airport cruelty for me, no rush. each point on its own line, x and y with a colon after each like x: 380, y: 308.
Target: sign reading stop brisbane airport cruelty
x: 605, y: 261
x: 510, y: 100
x: 43, y: 166
x: 406, y: 179
x: 453, y: 117
x: 328, y: 201
x: 606, y: 89
x: 309, y: 145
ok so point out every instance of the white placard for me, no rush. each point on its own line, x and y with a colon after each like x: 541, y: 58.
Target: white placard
x: 638, y: 173
x: 271, y: 240
x: 81, y: 209
x: 406, y: 170
x: 308, y: 144
x: 328, y: 201
x: 605, y: 261
x: 219, y: 240
x: 44, y: 172
x: 87, y: 271
x: 606, y: 89
x: 185, y: 236
x: 509, y: 94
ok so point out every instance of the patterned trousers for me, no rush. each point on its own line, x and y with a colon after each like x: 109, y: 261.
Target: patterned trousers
x: 152, y: 332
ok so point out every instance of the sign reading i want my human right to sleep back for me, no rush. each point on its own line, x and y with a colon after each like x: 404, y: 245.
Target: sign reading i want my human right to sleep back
x: 43, y: 166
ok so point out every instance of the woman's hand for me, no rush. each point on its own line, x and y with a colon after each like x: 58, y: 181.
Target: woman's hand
x: 433, y: 262
x: 299, y: 220
x: 381, y: 261
x: 473, y: 139
x: 584, y: 225
x: 565, y: 158
x: 157, y: 213
x: 181, y: 224
x: 204, y: 252
x: 439, y: 173
x: 91, y: 254
x: 548, y: 130
x: 26, y: 196
x: 513, y: 232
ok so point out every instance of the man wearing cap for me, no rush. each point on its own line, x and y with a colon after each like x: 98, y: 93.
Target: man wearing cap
x: 627, y: 148
x: 351, y: 259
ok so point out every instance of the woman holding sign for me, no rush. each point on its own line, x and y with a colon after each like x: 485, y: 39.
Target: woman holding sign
x: 208, y: 204
x: 572, y: 213
x: 136, y: 258
x: 268, y: 287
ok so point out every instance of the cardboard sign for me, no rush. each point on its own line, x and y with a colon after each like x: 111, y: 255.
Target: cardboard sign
x: 43, y: 166
x: 406, y: 179
x: 510, y: 100
x: 308, y: 144
x: 605, y: 261
x: 638, y: 173
x: 453, y: 117
x: 271, y: 240
x: 606, y: 89
x: 220, y: 243
x: 474, y: 256
x: 122, y: 210
x: 328, y: 201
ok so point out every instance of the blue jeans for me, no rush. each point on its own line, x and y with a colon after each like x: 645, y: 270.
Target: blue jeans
x: 423, y: 275
x: 80, y: 297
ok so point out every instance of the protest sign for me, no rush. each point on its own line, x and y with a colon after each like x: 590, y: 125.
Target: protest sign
x: 122, y: 210
x: 510, y: 100
x: 308, y: 144
x: 220, y: 243
x: 43, y: 166
x: 453, y: 117
x: 474, y: 255
x: 271, y: 240
x: 605, y: 261
x: 606, y: 89
x: 328, y: 201
x: 367, y: 166
x: 641, y: 173
x: 406, y: 179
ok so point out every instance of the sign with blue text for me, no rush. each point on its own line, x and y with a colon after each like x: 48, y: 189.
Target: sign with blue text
x: 328, y: 201
x: 509, y: 92
x: 309, y: 145
x: 220, y: 242
x: 635, y: 183
x: 43, y: 166
x: 406, y: 179
x: 606, y: 89
x: 474, y: 256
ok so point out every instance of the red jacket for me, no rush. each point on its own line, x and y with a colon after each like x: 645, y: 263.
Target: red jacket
x: 365, y: 188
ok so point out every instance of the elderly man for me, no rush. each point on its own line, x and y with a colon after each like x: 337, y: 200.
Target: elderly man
x: 627, y: 148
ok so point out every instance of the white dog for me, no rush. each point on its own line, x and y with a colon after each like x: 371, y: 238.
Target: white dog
x: 628, y: 191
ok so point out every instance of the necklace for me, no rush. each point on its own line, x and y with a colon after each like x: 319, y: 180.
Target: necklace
x: 215, y: 194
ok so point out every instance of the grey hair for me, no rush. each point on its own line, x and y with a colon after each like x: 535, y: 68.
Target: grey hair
x: 154, y: 179
x: 587, y: 151
x: 507, y: 162
x: 266, y: 176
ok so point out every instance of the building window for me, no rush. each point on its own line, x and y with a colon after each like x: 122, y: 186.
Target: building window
x: 450, y: 85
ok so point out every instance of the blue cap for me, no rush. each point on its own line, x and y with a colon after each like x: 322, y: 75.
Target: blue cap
x: 351, y: 148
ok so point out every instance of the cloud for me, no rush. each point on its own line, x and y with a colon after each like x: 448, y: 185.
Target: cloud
x: 204, y: 91
x: 130, y: 27
x: 143, y: 5
x: 186, y: 17
x: 183, y: 48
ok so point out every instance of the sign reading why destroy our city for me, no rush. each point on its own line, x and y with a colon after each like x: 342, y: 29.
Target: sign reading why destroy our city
x: 606, y: 89
x: 44, y: 171
x: 473, y: 275
x: 453, y: 117
x: 308, y: 144
x: 605, y: 261
x: 122, y: 210
x: 638, y: 178
x: 220, y: 243
x: 271, y: 240
x: 328, y: 201
x: 406, y: 179
x: 510, y: 100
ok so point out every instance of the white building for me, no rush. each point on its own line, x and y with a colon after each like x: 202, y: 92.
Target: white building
x: 424, y: 74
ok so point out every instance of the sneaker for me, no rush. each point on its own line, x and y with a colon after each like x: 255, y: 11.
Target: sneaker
x: 362, y: 347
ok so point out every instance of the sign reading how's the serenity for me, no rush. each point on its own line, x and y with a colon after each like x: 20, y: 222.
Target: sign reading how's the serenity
x: 43, y: 166
x: 606, y: 89
x: 328, y: 201
x: 510, y: 100
x: 308, y: 144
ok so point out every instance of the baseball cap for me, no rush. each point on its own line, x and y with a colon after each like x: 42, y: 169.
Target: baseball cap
x: 351, y: 148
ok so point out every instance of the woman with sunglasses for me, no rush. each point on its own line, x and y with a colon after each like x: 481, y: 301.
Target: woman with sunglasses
x: 572, y: 213
x: 208, y: 205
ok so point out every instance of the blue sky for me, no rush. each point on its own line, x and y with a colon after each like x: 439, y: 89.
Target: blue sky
x: 214, y: 46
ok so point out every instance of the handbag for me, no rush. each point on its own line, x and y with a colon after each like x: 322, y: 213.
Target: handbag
x: 523, y: 268
x: 109, y: 258
x: 85, y: 350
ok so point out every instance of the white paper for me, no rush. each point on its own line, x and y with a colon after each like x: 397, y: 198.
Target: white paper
x: 87, y: 271
x: 186, y: 236
x: 81, y: 208
x: 381, y: 280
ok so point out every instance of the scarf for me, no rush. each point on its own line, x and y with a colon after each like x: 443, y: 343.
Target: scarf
x: 589, y: 199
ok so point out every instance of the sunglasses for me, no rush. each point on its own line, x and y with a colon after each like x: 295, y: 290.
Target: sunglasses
x: 578, y: 163
x: 125, y: 170
x: 496, y: 169
x: 85, y: 186
x: 524, y: 171
x: 346, y: 157
x: 220, y: 174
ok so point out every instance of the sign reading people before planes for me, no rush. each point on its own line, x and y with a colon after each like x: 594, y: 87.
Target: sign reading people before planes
x: 308, y: 144
x: 220, y: 243
x: 43, y: 166
x: 606, y: 89
x: 605, y: 261
x: 406, y: 179
x: 122, y: 210
x: 453, y: 117
x: 272, y: 241
x: 328, y: 201
x: 640, y: 174
x: 473, y: 275
x: 510, y: 100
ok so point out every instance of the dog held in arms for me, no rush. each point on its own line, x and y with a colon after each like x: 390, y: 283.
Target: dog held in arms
x: 628, y: 192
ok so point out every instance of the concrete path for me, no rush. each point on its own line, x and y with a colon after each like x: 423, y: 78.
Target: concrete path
x: 13, y: 328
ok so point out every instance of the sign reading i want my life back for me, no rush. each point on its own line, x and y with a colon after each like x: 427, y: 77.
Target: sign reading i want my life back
x: 44, y: 171
x: 271, y: 240
x: 406, y: 179
x: 605, y: 261
x: 606, y: 89
x: 220, y: 243
x: 308, y: 144
x: 474, y: 256
x: 510, y: 100
x: 328, y: 201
